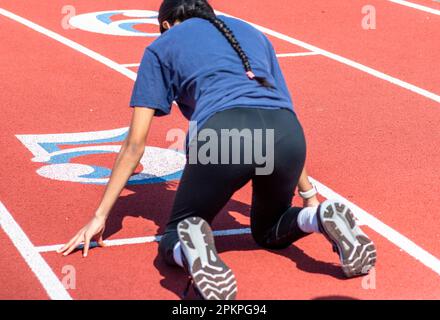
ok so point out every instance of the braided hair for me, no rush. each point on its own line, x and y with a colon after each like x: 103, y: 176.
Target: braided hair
x: 172, y: 10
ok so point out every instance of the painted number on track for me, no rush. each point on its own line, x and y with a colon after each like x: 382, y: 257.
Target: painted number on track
x: 117, y: 22
x: 55, y: 151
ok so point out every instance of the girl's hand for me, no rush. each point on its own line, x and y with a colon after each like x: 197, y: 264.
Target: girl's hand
x: 312, y: 202
x: 93, y: 230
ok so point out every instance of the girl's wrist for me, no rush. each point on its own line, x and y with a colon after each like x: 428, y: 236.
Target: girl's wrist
x: 101, y: 214
x: 308, y: 193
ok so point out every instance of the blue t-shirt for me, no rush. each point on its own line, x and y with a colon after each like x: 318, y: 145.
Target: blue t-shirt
x: 194, y: 65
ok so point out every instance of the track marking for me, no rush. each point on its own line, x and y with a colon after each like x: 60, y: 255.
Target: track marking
x: 392, y: 235
x: 130, y: 65
x: 30, y: 254
x: 279, y: 55
x: 296, y: 54
x: 132, y: 75
x: 348, y: 62
x: 72, y: 44
x: 416, y: 6
x: 141, y: 240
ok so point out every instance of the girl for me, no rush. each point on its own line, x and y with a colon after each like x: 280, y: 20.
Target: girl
x: 225, y: 78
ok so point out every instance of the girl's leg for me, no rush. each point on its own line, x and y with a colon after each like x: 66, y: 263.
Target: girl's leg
x: 188, y: 241
x: 203, y: 191
x: 274, y: 222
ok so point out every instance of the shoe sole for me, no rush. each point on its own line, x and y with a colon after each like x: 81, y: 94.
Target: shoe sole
x: 211, y: 276
x: 356, y: 251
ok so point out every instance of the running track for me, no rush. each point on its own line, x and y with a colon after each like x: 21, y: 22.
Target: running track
x: 369, y: 103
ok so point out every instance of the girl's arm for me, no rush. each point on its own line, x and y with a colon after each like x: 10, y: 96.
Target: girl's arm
x: 126, y: 162
x: 128, y: 159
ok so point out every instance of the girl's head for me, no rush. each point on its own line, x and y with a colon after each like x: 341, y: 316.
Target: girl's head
x: 172, y: 12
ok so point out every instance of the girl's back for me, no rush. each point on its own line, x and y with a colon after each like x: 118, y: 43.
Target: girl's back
x: 193, y: 64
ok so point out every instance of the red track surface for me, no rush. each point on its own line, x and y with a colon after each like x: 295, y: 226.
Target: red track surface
x: 373, y: 142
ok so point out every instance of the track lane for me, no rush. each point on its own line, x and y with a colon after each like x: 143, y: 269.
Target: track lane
x: 403, y: 44
x: 309, y: 271
x: 429, y: 6
x: 17, y: 281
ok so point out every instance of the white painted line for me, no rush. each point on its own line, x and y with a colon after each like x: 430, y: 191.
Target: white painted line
x: 381, y: 228
x: 392, y: 235
x: 35, y: 261
x: 130, y: 65
x: 72, y: 44
x: 348, y: 62
x: 141, y: 240
x: 279, y: 55
x: 109, y: 243
x: 296, y: 54
x: 417, y: 6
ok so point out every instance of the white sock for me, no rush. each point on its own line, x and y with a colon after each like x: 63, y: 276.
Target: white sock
x: 177, y: 254
x: 308, y: 220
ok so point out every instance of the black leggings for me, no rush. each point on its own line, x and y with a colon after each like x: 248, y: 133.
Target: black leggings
x: 205, y: 189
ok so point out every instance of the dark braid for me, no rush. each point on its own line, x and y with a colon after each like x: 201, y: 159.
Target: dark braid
x: 172, y: 10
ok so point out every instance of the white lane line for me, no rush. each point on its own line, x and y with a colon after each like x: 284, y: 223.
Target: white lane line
x: 381, y: 228
x: 386, y: 231
x: 35, y: 261
x: 130, y: 65
x: 72, y: 44
x: 279, y: 55
x: 348, y: 62
x: 416, y: 6
x: 141, y: 240
x: 296, y: 54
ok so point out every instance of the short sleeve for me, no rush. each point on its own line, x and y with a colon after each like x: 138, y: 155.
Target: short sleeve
x: 153, y: 86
